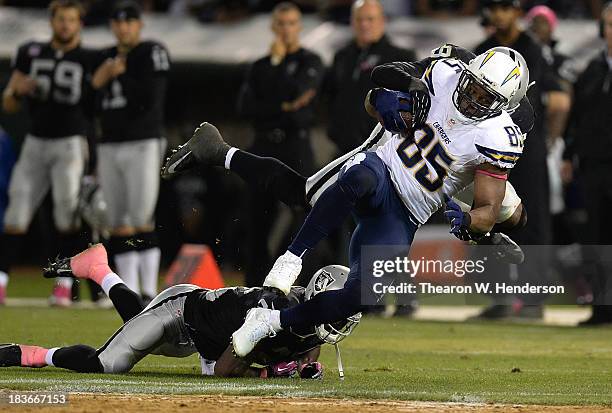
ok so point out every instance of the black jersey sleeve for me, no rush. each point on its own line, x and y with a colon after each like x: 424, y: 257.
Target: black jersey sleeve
x: 404, y: 55
x: 21, y: 60
x: 310, y: 75
x: 249, y: 103
x: 213, y: 315
x: 524, y: 115
x: 398, y: 75
x: 147, y: 86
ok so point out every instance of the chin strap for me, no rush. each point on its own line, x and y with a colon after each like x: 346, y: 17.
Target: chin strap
x: 339, y: 359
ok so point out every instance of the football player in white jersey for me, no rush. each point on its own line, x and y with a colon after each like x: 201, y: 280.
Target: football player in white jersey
x: 207, y: 147
x: 467, y: 137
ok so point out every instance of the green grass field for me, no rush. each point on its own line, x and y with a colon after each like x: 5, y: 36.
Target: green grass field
x: 390, y: 359
x: 384, y: 359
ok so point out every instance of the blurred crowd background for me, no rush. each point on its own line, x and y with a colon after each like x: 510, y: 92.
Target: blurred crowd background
x: 336, y: 10
x: 564, y: 178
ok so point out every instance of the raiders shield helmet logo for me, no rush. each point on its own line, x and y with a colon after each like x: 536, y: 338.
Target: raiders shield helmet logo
x: 323, y: 281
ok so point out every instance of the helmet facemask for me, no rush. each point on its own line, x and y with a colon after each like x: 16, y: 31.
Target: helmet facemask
x: 334, y: 333
x: 330, y: 278
x: 476, y: 100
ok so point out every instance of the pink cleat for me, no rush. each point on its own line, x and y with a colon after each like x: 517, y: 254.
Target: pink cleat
x: 2, y: 295
x: 91, y: 263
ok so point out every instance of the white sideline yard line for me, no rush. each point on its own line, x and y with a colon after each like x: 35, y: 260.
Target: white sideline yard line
x: 82, y: 384
x: 567, y: 316
x: 44, y: 302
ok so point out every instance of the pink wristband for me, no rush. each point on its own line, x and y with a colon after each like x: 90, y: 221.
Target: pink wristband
x: 492, y: 175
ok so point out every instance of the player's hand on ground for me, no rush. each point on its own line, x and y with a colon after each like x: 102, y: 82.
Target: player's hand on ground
x: 312, y: 370
x: 282, y: 369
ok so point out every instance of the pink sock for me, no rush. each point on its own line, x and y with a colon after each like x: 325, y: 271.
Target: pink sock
x: 33, y: 356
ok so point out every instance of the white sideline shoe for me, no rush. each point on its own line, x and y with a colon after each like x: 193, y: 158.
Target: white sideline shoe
x: 284, y: 272
x: 255, y: 328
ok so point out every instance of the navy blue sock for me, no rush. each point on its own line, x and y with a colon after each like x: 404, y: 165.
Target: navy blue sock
x: 325, y: 307
x: 334, y: 206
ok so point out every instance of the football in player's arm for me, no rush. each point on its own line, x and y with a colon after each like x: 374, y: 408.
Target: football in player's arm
x: 290, y: 187
x: 489, y: 180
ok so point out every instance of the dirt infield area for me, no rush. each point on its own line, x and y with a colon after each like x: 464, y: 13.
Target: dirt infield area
x: 105, y: 403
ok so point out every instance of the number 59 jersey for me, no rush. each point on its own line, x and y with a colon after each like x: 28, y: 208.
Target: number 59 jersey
x: 443, y: 156
x: 58, y: 107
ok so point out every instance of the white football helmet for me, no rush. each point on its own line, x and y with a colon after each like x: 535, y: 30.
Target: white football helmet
x: 522, y: 63
x: 488, y: 85
x: 329, y: 278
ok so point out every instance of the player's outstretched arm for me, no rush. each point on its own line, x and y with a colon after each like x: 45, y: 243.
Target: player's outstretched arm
x: 311, y: 356
x: 229, y: 365
x: 489, y: 191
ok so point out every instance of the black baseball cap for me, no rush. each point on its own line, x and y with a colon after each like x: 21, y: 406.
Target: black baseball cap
x: 126, y: 10
x: 512, y: 3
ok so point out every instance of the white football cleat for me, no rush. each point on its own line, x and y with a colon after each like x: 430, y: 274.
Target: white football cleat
x: 284, y: 272
x: 255, y: 328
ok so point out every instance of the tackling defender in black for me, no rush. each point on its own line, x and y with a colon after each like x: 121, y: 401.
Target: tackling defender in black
x: 186, y: 319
